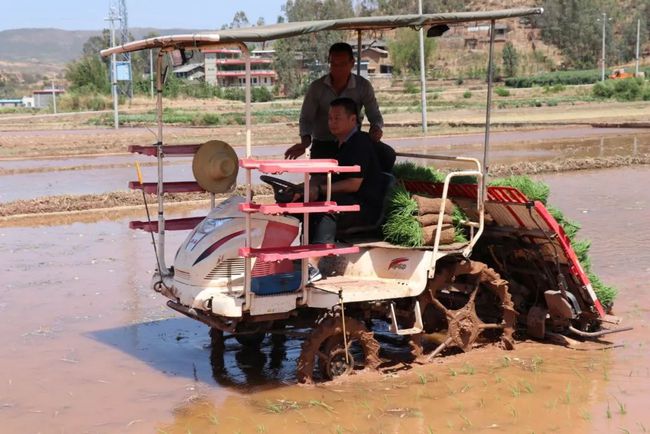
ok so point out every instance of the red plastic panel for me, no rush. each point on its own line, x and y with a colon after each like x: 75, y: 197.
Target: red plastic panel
x: 296, y: 166
x: 253, y: 163
x: 168, y: 187
x: 296, y: 252
x: 497, y: 194
x: 152, y: 150
x: 297, y: 207
x: 170, y: 225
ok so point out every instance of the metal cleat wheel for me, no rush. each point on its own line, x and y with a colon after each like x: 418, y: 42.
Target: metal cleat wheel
x: 324, y: 349
x: 464, y: 325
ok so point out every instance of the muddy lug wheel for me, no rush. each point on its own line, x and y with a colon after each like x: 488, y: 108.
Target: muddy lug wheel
x: 338, y: 363
x: 317, y: 347
x: 464, y: 326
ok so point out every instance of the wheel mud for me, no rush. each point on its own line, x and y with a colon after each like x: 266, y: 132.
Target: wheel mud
x: 464, y: 326
x: 333, y: 327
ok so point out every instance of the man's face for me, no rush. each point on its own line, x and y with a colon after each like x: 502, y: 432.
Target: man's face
x: 340, y: 122
x: 340, y: 66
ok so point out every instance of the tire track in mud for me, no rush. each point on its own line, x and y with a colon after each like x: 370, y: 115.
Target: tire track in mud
x: 86, y: 202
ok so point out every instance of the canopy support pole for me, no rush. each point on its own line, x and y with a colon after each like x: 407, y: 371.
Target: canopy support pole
x: 488, y: 115
x: 160, y: 155
x: 359, y: 52
x: 248, y: 264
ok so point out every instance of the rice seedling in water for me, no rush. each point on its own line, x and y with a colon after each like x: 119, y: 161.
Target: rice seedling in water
x: 468, y: 369
x: 621, y: 407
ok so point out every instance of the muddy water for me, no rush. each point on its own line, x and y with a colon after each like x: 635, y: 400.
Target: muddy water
x: 87, y: 347
x: 97, y: 175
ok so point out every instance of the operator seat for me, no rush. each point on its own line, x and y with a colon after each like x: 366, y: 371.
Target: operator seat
x: 389, y: 182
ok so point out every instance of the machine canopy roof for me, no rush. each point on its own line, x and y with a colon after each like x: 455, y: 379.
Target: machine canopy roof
x: 285, y: 30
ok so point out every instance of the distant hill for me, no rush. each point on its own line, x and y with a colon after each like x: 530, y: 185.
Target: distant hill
x: 55, y: 45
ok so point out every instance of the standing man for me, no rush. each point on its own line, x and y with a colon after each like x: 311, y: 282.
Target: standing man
x: 340, y: 82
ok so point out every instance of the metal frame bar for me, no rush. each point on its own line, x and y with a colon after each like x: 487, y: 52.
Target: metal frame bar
x: 160, y: 155
x: 248, y: 261
x: 488, y: 111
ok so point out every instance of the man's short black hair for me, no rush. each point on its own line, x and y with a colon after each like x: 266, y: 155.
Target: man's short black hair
x: 342, y: 47
x: 348, y: 105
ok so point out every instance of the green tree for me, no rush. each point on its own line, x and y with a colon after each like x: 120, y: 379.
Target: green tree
x: 88, y: 75
x: 239, y: 20
x: 572, y: 26
x: 287, y: 68
x: 405, y: 51
x: 510, y: 59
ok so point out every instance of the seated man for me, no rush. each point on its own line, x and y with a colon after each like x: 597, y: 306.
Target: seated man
x: 363, y: 188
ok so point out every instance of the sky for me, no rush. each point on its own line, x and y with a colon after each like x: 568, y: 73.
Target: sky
x: 90, y: 14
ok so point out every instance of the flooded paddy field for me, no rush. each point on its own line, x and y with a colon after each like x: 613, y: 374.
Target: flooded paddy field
x: 33, y: 178
x: 88, y: 347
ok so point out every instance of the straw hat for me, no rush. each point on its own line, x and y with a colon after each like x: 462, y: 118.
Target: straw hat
x: 215, y: 166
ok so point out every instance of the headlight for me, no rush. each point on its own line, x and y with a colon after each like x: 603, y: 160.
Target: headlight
x: 204, y: 228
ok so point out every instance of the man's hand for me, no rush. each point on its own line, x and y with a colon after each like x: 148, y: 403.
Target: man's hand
x: 314, y: 193
x: 295, y: 151
x: 298, y: 149
x: 375, y: 133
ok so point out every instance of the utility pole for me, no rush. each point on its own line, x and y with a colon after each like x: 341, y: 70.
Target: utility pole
x: 638, y: 35
x: 112, y: 18
x: 423, y: 80
x: 602, y: 60
x: 53, y: 97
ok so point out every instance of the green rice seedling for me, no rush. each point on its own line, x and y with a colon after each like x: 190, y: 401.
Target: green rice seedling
x: 533, y: 190
x: 605, y: 293
x: 621, y: 407
x: 414, y: 172
x: 403, y: 230
x: 570, y: 227
x: 468, y: 369
x: 423, y: 378
x: 317, y: 403
x: 466, y: 421
x: 528, y: 387
x: 514, y: 391
x: 537, y: 364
